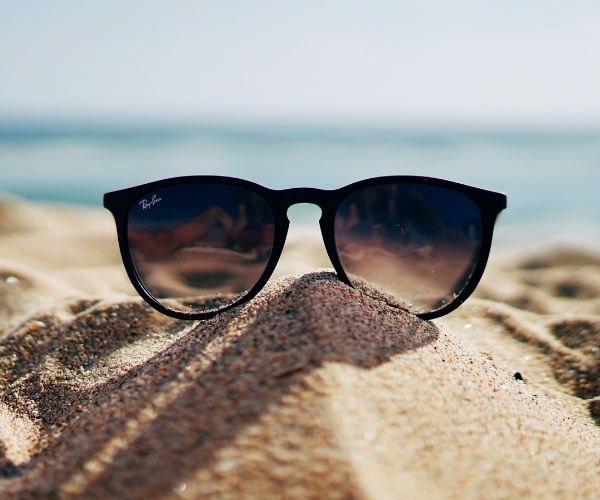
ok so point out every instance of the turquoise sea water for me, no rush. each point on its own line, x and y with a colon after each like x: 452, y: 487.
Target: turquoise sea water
x: 552, y: 178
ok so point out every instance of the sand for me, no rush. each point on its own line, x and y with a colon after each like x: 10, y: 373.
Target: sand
x: 311, y: 390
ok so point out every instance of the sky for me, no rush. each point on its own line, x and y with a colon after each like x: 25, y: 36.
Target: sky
x: 512, y: 62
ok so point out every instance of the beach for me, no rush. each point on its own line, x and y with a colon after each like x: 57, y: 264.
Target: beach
x: 310, y: 390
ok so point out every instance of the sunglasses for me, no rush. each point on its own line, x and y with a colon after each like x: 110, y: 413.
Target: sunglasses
x: 196, y: 246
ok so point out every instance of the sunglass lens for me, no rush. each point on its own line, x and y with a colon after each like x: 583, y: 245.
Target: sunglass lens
x: 200, y: 247
x: 419, y: 243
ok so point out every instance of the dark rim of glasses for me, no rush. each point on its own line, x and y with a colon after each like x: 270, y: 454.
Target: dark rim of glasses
x: 119, y: 203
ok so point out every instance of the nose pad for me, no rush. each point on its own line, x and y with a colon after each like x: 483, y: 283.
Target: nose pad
x: 304, y: 248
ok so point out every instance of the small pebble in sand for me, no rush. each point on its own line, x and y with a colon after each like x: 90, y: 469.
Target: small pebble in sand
x: 369, y: 435
x: 34, y: 326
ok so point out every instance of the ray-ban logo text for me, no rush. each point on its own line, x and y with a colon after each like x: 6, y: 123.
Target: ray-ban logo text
x: 149, y: 204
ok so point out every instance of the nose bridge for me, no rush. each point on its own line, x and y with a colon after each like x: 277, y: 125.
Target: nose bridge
x: 314, y: 196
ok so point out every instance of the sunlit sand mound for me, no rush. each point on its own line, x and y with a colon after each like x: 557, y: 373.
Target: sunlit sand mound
x: 312, y: 390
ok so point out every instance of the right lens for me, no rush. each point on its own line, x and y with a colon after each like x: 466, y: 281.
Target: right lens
x: 200, y: 247
x: 417, y: 242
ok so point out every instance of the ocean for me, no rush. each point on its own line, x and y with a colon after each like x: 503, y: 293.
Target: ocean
x: 552, y: 178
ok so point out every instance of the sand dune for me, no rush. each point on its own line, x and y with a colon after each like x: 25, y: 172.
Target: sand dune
x: 311, y: 390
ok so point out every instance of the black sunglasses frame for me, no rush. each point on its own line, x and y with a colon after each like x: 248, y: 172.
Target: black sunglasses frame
x: 119, y: 203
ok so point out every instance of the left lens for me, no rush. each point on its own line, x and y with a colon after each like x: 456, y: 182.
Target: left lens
x: 417, y: 242
x: 200, y: 247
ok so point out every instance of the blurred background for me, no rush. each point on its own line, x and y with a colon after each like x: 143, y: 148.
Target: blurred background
x: 97, y: 96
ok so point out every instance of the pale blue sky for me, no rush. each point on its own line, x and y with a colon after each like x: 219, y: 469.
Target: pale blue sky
x: 456, y: 61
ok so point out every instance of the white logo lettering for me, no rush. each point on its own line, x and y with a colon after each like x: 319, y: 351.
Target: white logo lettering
x: 149, y: 204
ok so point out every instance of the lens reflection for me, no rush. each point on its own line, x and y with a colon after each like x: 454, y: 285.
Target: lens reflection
x: 200, y: 247
x: 418, y: 243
